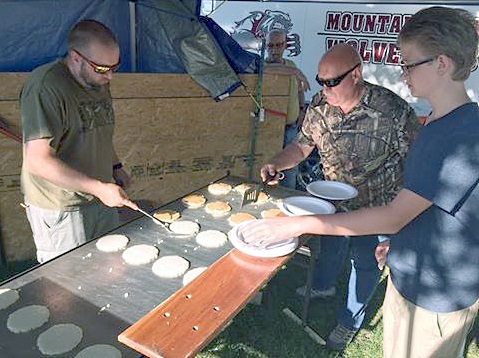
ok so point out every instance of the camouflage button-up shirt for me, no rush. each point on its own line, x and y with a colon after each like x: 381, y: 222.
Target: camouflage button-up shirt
x: 364, y: 147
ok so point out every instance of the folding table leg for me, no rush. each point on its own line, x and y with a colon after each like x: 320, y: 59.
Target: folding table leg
x: 307, y: 300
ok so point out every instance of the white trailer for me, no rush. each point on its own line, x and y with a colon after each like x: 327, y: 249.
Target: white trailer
x: 315, y: 26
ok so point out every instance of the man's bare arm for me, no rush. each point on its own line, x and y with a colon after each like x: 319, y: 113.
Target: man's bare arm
x: 40, y: 160
x: 387, y: 219
x: 289, y: 157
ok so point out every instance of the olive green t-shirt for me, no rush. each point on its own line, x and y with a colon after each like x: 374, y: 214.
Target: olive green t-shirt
x: 78, y: 122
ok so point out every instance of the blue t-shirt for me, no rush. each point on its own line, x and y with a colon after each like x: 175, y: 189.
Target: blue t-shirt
x: 434, y: 260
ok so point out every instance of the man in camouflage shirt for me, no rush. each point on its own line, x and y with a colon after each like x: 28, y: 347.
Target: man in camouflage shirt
x: 362, y: 133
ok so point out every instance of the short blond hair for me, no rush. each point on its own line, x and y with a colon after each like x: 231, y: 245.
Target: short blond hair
x: 442, y: 30
x: 87, y: 31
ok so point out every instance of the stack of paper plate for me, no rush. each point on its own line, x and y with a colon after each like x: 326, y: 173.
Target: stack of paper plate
x: 305, y: 205
x: 332, y: 190
x: 275, y: 250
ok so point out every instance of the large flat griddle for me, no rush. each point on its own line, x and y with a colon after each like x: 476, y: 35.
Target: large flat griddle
x: 109, y: 295
x: 65, y: 307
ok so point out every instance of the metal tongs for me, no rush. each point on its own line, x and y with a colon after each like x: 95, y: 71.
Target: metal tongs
x: 157, y: 221
x: 251, y: 195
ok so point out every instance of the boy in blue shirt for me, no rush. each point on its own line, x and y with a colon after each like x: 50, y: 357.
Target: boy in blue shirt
x: 432, y: 296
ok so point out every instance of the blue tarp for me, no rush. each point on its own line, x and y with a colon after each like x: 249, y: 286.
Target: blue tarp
x: 171, y: 37
x: 33, y: 32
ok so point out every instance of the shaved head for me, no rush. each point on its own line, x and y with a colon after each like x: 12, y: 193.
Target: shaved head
x: 341, y: 65
x: 338, y: 59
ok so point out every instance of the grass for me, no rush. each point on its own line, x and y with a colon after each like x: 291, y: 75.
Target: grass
x: 264, y: 331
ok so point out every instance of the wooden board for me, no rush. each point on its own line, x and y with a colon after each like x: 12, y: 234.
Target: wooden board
x: 153, y: 85
x: 189, y: 319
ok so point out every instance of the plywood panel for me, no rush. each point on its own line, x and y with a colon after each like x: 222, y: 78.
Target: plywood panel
x: 150, y: 85
x: 16, y: 233
x: 171, y: 136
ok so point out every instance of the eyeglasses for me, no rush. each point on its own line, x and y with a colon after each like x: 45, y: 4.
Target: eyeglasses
x: 335, y: 81
x: 276, y: 45
x: 407, y: 68
x: 100, y: 69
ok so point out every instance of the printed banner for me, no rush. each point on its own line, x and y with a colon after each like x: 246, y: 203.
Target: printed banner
x: 314, y: 27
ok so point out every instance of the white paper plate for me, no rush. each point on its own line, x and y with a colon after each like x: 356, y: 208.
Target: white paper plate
x: 332, y: 190
x: 275, y: 250
x: 284, y: 210
x: 307, y: 205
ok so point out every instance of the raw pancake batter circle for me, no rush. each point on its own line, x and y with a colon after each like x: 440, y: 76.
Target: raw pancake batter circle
x: 211, y: 239
x: 192, y: 274
x: 185, y: 227
x: 27, y: 318
x: 170, y: 266
x: 8, y: 297
x: 99, y: 351
x: 140, y: 254
x: 112, y: 243
x: 59, y: 339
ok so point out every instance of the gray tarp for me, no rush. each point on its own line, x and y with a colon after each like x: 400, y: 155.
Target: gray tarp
x: 169, y: 37
x: 182, y: 37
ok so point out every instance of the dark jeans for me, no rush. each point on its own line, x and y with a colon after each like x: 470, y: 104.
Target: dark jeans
x: 362, y: 279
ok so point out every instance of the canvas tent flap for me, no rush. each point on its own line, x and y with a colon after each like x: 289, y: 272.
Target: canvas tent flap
x: 242, y: 61
x: 169, y: 37
x: 186, y: 38
x: 34, y: 32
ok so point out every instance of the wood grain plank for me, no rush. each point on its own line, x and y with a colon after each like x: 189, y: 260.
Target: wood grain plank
x: 185, y: 322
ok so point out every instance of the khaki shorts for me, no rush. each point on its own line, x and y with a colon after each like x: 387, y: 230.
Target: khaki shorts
x: 413, y: 332
x: 56, y: 232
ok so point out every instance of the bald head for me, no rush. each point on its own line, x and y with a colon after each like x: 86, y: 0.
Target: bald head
x: 340, y: 73
x: 337, y: 60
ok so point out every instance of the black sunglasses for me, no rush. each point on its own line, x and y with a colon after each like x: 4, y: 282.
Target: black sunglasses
x: 335, y: 81
x: 100, y: 69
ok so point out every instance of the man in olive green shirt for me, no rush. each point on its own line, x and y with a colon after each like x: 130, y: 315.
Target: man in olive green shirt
x: 69, y: 164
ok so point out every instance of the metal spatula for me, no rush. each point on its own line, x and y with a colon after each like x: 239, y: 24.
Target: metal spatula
x: 251, y: 195
x: 157, y: 221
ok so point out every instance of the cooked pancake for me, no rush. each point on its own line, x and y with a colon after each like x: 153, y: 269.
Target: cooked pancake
x: 219, y: 188
x: 194, y: 201
x: 167, y: 215
x: 241, y: 188
x: 262, y: 198
x: 218, y: 208
x: 270, y: 213
x: 239, y: 218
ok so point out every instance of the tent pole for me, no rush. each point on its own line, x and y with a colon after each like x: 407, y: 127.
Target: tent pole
x: 133, y: 35
x: 259, y: 113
